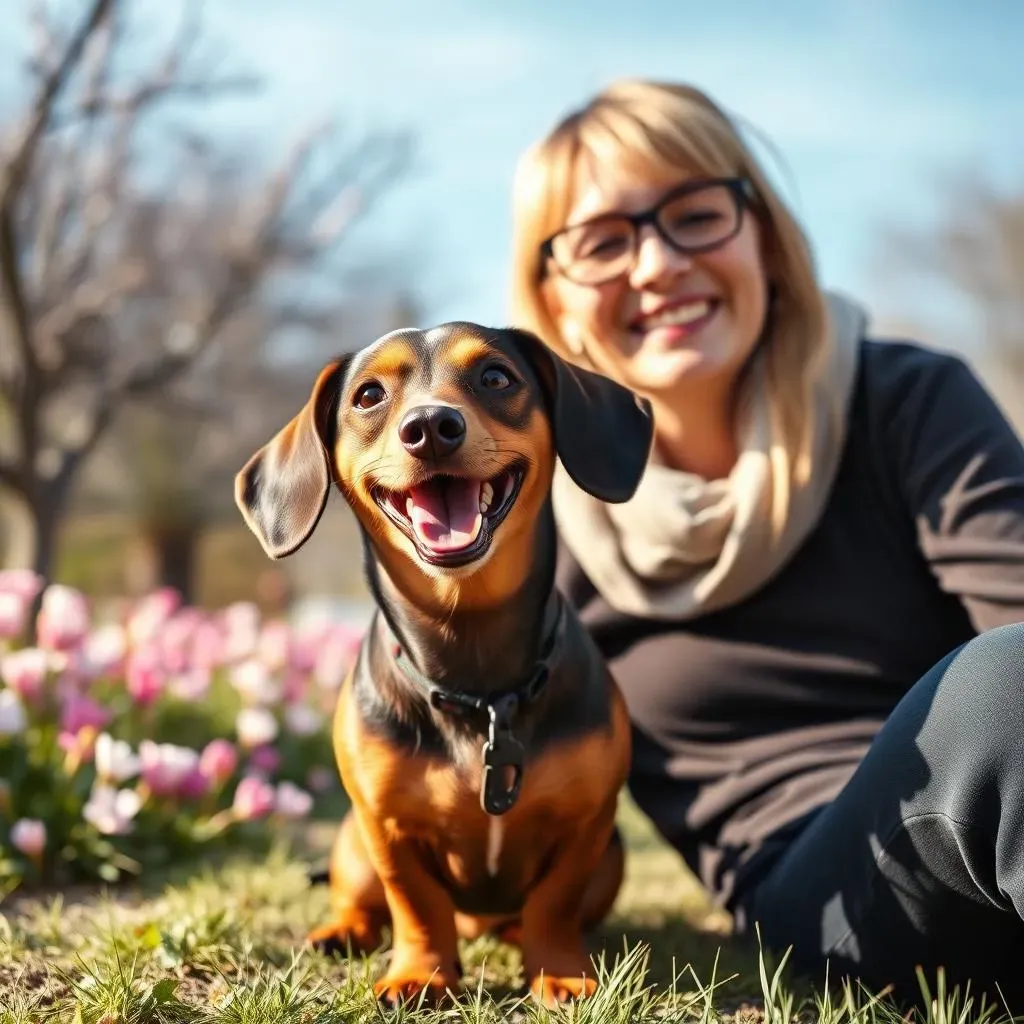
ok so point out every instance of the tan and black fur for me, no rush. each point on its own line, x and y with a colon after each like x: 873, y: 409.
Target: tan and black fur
x: 417, y: 851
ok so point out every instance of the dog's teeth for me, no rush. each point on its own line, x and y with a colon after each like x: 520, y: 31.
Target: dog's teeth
x: 486, y: 494
x: 484, y: 507
x: 408, y: 507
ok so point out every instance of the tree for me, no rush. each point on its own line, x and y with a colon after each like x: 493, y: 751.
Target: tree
x: 975, y: 255
x: 134, y: 253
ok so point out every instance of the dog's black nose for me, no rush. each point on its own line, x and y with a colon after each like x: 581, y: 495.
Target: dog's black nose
x: 432, y: 431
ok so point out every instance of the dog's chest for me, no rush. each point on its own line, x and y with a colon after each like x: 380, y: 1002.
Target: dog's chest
x: 490, y: 870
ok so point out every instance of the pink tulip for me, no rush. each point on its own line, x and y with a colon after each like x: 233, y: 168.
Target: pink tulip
x: 190, y: 685
x: 63, y: 620
x: 295, y: 685
x: 253, y: 681
x: 304, y: 650
x: 292, y: 802
x: 25, y: 672
x: 176, y: 638
x: 241, y: 630
x: 194, y: 786
x: 274, y: 647
x: 264, y: 760
x: 254, y: 798
x: 166, y: 766
x: 23, y: 582
x: 218, y: 761
x: 336, y: 654
x: 29, y: 836
x: 13, y: 614
x: 81, y: 712
x: 145, y: 676
x: 104, y: 650
x: 207, y: 645
x: 151, y: 613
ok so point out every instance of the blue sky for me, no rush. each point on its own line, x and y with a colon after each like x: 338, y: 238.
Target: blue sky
x: 867, y: 101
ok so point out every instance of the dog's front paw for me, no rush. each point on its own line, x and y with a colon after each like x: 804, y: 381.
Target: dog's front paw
x: 410, y: 986
x: 360, y: 932
x: 553, y: 990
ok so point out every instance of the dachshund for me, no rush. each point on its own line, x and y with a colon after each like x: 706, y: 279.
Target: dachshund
x: 479, y: 735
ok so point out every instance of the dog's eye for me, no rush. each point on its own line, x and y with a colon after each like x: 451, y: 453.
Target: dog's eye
x: 368, y: 396
x: 494, y: 378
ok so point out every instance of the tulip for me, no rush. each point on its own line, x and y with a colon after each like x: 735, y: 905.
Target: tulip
x: 79, y: 712
x: 254, y: 798
x: 337, y: 652
x: 274, y: 646
x: 166, y: 766
x: 255, y: 727
x: 13, y: 720
x: 23, y: 582
x: 195, y: 785
x: 115, y: 761
x: 150, y: 615
x: 264, y: 760
x: 28, y: 835
x: 25, y: 672
x: 302, y: 720
x: 191, y: 685
x: 218, y: 761
x: 207, y: 645
x: 63, y: 620
x: 111, y: 811
x: 145, y: 676
x: 241, y: 630
x: 104, y: 651
x: 252, y: 680
x: 292, y: 802
x: 13, y: 614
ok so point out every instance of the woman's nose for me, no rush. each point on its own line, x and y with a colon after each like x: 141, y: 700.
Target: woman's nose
x: 656, y: 260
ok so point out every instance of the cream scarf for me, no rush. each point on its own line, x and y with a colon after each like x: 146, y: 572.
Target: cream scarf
x: 683, y: 546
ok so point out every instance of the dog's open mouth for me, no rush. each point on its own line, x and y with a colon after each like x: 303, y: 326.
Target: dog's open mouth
x: 451, y: 519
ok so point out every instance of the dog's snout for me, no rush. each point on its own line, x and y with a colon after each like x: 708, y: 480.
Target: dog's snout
x: 432, y: 431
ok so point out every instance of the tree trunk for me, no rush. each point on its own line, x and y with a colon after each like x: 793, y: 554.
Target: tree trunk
x: 177, y: 559
x: 31, y: 533
x: 167, y: 559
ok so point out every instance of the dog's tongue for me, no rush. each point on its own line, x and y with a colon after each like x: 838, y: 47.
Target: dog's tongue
x: 445, y: 513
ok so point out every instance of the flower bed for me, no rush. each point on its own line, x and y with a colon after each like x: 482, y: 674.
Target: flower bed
x: 165, y: 730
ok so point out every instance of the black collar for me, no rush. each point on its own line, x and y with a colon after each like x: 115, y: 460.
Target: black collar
x: 502, y: 750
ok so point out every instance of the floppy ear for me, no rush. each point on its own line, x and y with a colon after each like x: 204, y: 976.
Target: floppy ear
x: 602, y: 430
x: 282, y: 490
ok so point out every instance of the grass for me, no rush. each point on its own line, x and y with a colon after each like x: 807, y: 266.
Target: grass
x: 223, y: 945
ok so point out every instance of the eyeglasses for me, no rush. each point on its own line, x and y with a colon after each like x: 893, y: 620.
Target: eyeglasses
x: 694, y: 218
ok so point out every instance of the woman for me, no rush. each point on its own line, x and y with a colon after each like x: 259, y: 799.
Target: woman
x: 812, y: 604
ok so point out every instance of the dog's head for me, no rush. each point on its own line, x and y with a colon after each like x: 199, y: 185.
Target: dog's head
x: 442, y: 442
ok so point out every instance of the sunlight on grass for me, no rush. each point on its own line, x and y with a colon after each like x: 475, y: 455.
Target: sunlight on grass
x: 225, y: 946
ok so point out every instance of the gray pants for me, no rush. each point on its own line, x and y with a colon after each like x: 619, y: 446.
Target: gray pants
x: 920, y: 859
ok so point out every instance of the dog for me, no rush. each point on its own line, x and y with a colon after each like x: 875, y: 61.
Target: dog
x: 479, y: 735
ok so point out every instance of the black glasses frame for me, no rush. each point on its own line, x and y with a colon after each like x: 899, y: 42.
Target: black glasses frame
x: 741, y: 190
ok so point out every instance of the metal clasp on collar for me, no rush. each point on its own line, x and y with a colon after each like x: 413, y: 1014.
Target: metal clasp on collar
x: 502, y: 754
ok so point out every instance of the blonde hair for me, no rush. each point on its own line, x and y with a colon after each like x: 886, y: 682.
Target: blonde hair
x: 665, y: 128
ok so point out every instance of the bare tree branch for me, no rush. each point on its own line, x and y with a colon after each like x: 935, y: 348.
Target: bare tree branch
x: 54, y: 80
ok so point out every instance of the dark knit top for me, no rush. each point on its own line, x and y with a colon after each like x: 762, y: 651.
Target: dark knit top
x: 748, y: 719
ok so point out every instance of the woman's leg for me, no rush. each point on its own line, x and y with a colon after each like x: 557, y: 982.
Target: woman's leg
x: 920, y: 859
